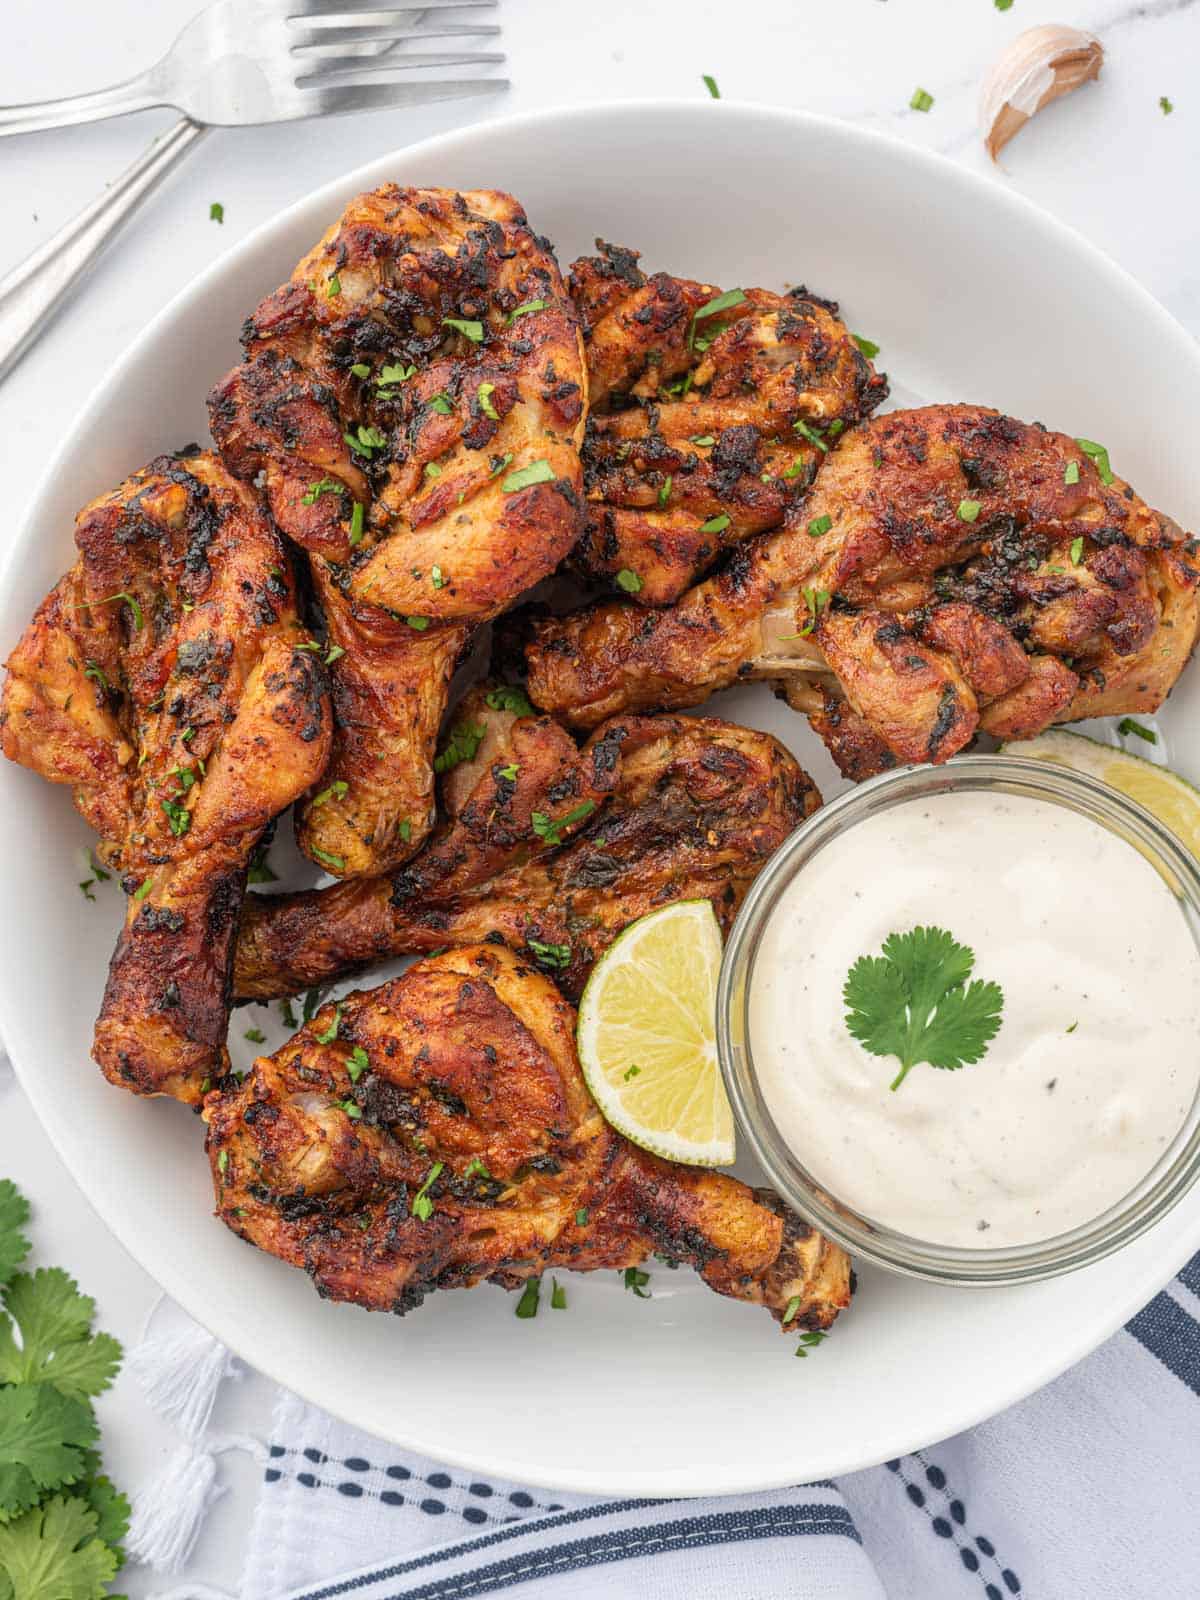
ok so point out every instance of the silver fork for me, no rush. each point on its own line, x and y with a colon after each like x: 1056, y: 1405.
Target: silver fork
x: 240, y: 62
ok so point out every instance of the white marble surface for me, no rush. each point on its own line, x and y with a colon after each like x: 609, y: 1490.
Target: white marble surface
x: 1107, y: 161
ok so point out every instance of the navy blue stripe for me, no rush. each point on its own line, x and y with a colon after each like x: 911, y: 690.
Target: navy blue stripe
x: 1190, y: 1276
x: 727, y: 1527
x: 1169, y: 1333
x: 516, y: 1530
x: 689, y: 1533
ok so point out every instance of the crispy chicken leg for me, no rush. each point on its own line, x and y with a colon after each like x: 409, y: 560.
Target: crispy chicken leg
x: 168, y: 680
x: 952, y: 570
x: 437, y: 1132
x: 551, y: 849
x: 710, y: 414
x: 414, y: 397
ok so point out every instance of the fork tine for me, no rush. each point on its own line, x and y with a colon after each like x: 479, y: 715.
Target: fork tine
x: 318, y: 68
x: 326, y: 38
x: 366, y: 13
x: 379, y: 96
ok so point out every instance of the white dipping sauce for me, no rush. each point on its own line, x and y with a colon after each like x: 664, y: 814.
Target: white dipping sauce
x: 1095, y: 1065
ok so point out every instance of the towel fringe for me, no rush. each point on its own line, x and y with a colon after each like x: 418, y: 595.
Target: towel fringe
x: 181, y: 1372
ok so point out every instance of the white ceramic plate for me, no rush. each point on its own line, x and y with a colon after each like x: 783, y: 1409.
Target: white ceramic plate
x: 973, y: 295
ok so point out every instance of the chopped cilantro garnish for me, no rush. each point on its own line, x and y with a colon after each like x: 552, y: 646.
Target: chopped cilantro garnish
x: 337, y: 788
x: 509, y: 698
x: 441, y: 404
x: 476, y: 1168
x: 713, y: 308
x: 422, y: 1205
x: 331, y: 1032
x: 808, y: 1341
x: 551, y: 831
x: 509, y: 773
x: 525, y: 477
x: 524, y: 310
x: 555, y: 956
x: 365, y: 441
x: 465, y: 739
x: 811, y: 434
x: 868, y: 346
x: 636, y: 1279
x: 469, y: 330
x: 1099, y: 458
x: 352, y: 1109
x: 179, y: 817
x: 527, y: 1305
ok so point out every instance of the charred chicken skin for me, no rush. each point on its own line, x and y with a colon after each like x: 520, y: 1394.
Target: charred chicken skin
x: 549, y: 848
x: 710, y: 414
x: 167, y: 679
x: 437, y: 1132
x: 414, y: 398
x: 952, y: 570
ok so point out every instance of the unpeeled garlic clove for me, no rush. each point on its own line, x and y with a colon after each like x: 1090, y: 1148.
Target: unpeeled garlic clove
x: 1040, y: 65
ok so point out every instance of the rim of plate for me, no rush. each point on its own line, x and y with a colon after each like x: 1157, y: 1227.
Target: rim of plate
x: 173, y: 1277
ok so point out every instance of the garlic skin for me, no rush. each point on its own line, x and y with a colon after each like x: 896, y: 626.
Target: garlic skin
x: 1040, y: 65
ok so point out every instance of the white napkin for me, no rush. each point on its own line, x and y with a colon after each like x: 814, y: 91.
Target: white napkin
x: 1089, y: 1488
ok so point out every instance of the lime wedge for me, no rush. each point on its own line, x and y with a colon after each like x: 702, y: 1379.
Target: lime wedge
x: 1166, y: 796
x: 647, y: 1036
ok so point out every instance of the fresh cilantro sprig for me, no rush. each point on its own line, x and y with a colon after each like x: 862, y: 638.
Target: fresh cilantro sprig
x: 61, y: 1520
x: 914, y: 1002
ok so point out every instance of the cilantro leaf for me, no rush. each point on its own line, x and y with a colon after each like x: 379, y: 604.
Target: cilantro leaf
x: 53, y: 1553
x: 914, y: 1002
x: 464, y: 740
x: 14, y: 1214
x: 57, y: 1344
x: 43, y: 1435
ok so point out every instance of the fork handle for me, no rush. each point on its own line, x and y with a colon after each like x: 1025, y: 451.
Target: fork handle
x: 135, y: 94
x: 36, y: 288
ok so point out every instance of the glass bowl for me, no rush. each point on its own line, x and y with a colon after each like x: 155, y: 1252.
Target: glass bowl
x: 1162, y: 1186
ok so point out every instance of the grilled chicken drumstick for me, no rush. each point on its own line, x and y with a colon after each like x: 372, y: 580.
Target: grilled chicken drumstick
x: 952, y: 570
x: 550, y: 848
x: 437, y: 1132
x: 710, y: 414
x: 414, y: 397
x: 168, y: 680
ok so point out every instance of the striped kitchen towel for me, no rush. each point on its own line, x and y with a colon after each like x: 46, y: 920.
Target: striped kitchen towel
x: 1089, y: 1488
